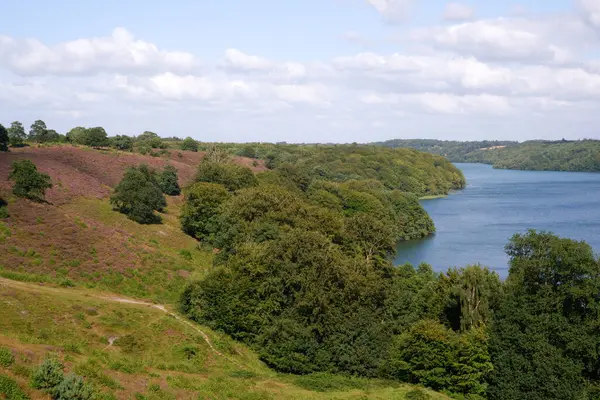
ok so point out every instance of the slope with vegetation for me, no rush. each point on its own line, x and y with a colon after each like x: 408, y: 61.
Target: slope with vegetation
x: 535, y: 155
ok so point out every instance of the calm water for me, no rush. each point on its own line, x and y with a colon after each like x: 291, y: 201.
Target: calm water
x: 474, y: 224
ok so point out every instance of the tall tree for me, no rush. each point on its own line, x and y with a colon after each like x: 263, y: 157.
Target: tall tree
x: 3, y: 138
x: 37, y: 131
x: 16, y: 134
x: 96, y: 137
x: 545, y: 339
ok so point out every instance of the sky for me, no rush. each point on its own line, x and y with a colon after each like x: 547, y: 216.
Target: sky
x: 305, y: 70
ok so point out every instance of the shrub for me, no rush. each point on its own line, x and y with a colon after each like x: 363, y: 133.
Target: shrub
x: 189, y: 144
x: 122, y: 142
x: 73, y: 387
x: 9, y: 389
x: 3, y: 210
x: 6, y: 357
x: 48, y: 375
x: 138, y: 195
x: 169, y: 182
x: 29, y: 183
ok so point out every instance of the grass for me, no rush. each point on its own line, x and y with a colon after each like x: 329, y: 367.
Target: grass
x: 433, y: 197
x: 154, y: 355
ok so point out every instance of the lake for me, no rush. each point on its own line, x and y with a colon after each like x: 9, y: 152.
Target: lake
x: 474, y: 224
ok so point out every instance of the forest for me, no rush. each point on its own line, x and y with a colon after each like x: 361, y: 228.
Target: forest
x: 534, y: 155
x: 302, y: 270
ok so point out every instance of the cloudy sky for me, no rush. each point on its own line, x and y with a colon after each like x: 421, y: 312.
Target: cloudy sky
x: 305, y: 70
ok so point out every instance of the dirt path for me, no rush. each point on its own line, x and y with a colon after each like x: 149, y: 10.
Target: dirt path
x: 123, y: 300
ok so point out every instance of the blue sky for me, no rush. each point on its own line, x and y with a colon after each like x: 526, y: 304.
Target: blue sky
x: 311, y: 70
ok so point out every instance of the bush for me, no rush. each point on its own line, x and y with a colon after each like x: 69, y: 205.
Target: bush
x: 6, y: 357
x: 138, y: 195
x: 48, y: 375
x: 3, y: 211
x: 189, y: 144
x: 3, y: 138
x: 29, y: 183
x: 9, y: 389
x: 73, y: 387
x: 169, y: 182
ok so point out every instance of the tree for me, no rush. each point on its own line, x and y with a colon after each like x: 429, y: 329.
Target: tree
x: 199, y: 213
x: 168, y: 181
x: 16, y: 134
x: 544, y: 339
x: 3, y: 138
x: 95, y: 137
x: 29, y: 183
x: 138, y: 195
x: 232, y: 176
x: 122, y: 142
x: 77, y: 135
x: 189, y: 144
x: 150, y: 139
x: 37, y: 131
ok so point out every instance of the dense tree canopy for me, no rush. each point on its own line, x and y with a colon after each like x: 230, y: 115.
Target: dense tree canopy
x: 4, y: 140
x: 189, y: 144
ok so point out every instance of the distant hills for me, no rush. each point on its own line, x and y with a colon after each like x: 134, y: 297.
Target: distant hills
x: 535, y: 155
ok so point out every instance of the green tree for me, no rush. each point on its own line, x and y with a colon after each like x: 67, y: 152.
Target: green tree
x: 168, y: 181
x: 48, y: 374
x: 544, y: 339
x: 29, y: 183
x: 95, y: 137
x: 16, y: 134
x: 3, y: 138
x: 151, y: 140
x: 122, y: 142
x: 73, y: 387
x: 37, y: 131
x: 200, y: 211
x: 232, y: 176
x: 77, y: 135
x: 138, y: 195
x: 189, y: 144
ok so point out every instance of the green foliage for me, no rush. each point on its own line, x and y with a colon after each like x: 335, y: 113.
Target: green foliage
x: 150, y: 140
x: 232, y: 176
x: 122, y: 142
x: 76, y: 135
x: 324, y: 382
x: 6, y: 357
x: 73, y: 387
x: 4, y: 139
x: 189, y: 144
x: 48, y: 374
x: 95, y: 137
x: 3, y: 209
x: 248, y: 151
x: 199, y: 213
x: 38, y: 130
x: 434, y: 356
x: 10, y: 390
x: 168, y: 181
x: 29, y: 183
x: 544, y: 339
x: 138, y: 195
x: 16, y: 134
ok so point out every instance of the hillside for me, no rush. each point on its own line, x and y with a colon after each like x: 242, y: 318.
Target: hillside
x: 535, y: 155
x: 69, y: 266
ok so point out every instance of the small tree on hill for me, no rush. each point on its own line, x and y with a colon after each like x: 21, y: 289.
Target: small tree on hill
x: 138, y: 195
x: 16, y: 134
x: 29, y: 183
x: 3, y: 138
x: 38, y: 130
x: 122, y: 142
x: 189, y: 144
x: 168, y: 181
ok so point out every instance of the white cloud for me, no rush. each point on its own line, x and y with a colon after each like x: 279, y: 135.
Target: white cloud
x: 591, y: 12
x: 458, y: 12
x: 392, y: 10
x: 442, y: 81
x: 116, y: 53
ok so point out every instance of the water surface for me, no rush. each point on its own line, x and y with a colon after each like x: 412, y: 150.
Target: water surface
x: 474, y: 224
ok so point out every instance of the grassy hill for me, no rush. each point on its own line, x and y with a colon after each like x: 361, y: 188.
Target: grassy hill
x: 70, y: 267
